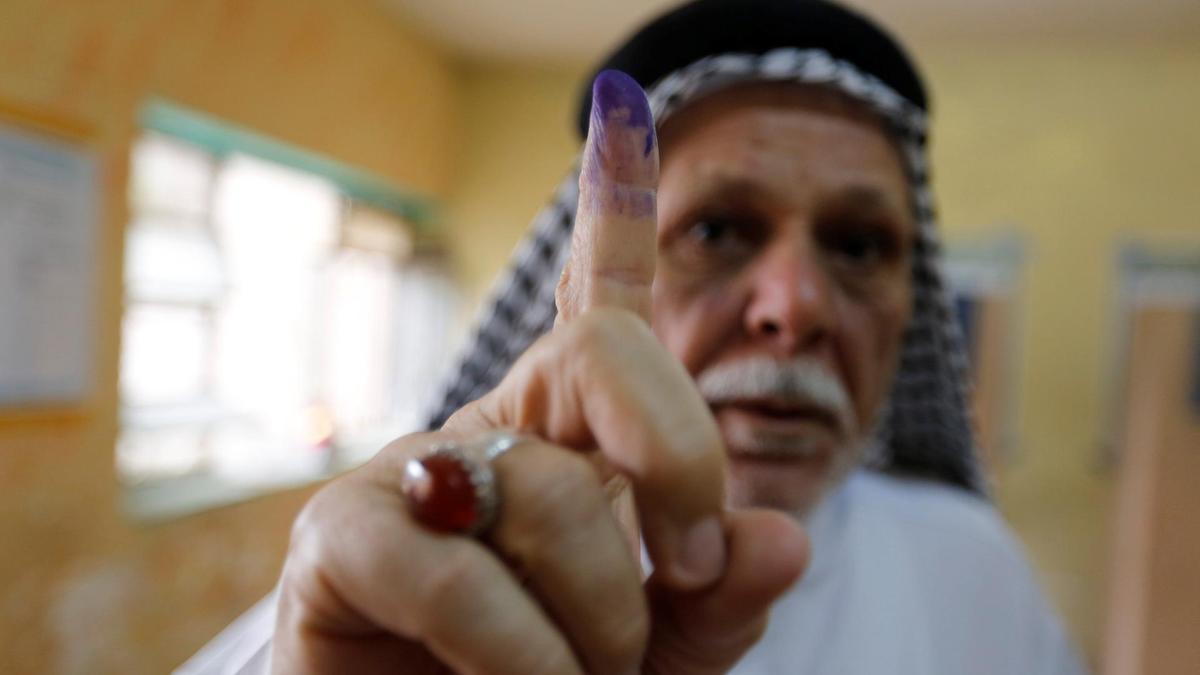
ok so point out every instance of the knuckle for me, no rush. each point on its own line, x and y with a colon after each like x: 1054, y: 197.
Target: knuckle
x: 309, y: 532
x: 563, y: 293
x: 562, y: 493
x: 310, y: 558
x: 590, y: 339
x: 604, y: 319
x: 451, y: 590
x: 583, y: 334
x: 447, y: 587
x: 701, y: 462
x: 600, y: 332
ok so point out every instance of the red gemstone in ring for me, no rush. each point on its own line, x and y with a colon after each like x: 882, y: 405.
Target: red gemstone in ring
x: 440, y: 492
x: 452, y: 488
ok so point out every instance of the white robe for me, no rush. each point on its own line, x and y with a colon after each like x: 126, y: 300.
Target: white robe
x: 908, y: 577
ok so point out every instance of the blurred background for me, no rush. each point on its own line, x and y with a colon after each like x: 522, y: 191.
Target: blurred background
x: 240, y: 238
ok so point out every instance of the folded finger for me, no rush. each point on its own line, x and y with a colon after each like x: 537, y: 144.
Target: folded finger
x: 604, y: 381
x: 557, y: 533
x: 447, y: 592
x: 706, y: 633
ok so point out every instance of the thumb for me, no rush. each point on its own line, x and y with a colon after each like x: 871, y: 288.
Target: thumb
x: 707, y: 632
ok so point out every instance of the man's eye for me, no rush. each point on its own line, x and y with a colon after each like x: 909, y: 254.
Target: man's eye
x: 862, y: 248
x: 710, y: 242
x: 710, y: 232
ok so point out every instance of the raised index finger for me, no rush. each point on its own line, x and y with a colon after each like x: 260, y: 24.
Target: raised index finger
x: 613, y: 244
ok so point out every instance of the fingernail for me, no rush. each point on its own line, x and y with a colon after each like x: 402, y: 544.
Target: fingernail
x: 621, y: 113
x: 701, y: 553
x: 618, y: 97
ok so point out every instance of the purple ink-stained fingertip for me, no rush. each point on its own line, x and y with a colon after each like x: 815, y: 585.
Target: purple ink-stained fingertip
x: 614, y: 91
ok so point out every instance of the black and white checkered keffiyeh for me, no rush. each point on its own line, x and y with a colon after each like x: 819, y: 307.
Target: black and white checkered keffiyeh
x: 925, y: 429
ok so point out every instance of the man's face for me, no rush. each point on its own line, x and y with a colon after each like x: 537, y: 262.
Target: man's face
x: 783, y: 281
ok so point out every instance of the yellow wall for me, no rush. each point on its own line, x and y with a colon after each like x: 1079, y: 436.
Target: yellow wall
x: 1077, y: 145
x: 518, y: 141
x: 81, y: 589
x: 1070, y: 143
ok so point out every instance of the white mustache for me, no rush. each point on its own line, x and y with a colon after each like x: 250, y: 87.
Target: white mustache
x: 798, y: 382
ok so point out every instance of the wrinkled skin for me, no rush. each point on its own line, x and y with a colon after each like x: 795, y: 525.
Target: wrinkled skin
x: 606, y: 401
x: 785, y: 230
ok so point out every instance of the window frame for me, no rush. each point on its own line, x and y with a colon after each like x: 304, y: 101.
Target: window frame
x: 165, y: 498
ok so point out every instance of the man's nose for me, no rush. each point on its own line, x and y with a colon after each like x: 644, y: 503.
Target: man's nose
x: 791, y: 303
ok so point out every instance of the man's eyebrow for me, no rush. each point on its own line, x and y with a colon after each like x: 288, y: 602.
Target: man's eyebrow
x: 725, y: 184
x: 868, y: 198
x: 725, y: 180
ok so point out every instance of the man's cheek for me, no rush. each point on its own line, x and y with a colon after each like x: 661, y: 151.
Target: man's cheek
x: 676, y: 332
x: 693, y: 323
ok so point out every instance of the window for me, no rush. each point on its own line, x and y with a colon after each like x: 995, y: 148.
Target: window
x: 276, y: 328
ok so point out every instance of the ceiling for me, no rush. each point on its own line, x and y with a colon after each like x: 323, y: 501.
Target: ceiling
x: 556, y: 32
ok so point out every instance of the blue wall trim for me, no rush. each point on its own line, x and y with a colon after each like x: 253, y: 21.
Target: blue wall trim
x: 222, y: 138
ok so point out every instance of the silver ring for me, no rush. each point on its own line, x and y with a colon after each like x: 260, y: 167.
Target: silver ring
x: 452, y: 487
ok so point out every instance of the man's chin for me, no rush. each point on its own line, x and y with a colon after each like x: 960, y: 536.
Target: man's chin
x: 793, y: 485
x: 784, y: 464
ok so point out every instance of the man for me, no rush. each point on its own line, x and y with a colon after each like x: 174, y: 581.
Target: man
x: 736, y: 333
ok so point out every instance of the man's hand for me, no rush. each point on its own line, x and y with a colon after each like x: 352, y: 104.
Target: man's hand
x: 554, y: 586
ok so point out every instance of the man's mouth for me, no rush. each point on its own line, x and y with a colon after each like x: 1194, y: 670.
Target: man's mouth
x: 777, y: 414
x: 776, y: 431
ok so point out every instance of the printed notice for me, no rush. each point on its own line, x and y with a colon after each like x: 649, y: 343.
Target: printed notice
x: 48, y: 223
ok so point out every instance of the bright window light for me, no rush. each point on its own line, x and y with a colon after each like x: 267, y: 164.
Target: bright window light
x: 274, y: 329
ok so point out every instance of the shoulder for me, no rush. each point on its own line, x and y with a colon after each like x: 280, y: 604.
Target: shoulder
x: 943, y: 539
x: 967, y: 568
x: 929, y: 513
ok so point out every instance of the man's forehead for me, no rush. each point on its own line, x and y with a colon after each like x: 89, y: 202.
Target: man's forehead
x: 809, y: 97
x: 725, y: 144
